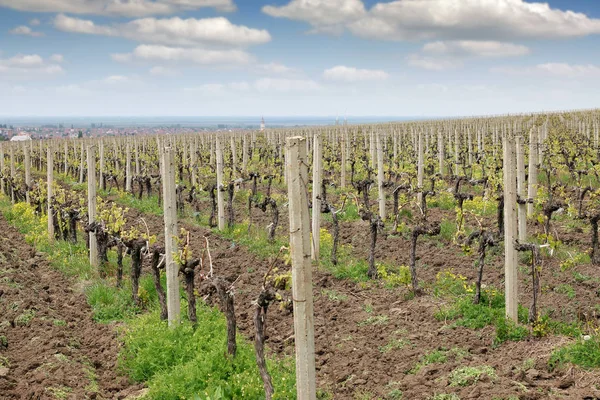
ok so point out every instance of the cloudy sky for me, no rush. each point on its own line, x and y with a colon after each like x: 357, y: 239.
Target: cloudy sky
x: 297, y: 57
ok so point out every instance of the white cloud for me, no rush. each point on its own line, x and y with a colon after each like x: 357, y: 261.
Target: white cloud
x: 286, y: 85
x: 351, y: 74
x: 171, y: 31
x: 122, y: 57
x: 465, y: 48
x: 563, y: 70
x: 324, y: 15
x: 179, y: 54
x: 126, y: 8
x: 276, y: 69
x: 58, y: 58
x: 115, y: 79
x: 28, y: 66
x: 264, y: 85
x: 25, y: 61
x: 162, y: 71
x: 446, y: 19
x: 26, y: 31
x: 220, y: 88
x: 443, y: 55
x: 69, y: 24
x: 34, y: 22
x: 432, y: 63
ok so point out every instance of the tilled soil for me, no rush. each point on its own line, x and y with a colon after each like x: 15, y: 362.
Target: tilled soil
x: 369, y: 337
x: 53, y: 347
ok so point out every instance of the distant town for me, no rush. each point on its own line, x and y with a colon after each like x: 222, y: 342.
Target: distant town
x: 72, y: 131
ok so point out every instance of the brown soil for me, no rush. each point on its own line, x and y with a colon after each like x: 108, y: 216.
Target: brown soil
x: 60, y: 351
x: 357, y: 355
x: 369, y: 337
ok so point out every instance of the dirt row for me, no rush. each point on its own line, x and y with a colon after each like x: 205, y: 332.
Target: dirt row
x: 49, y: 346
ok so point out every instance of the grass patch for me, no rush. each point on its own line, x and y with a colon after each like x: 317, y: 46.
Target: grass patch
x: 375, y: 320
x: 334, y: 295
x: 439, y: 357
x: 25, y: 318
x: 447, y: 230
x: 394, y: 344
x: 467, y: 376
x: 566, y: 289
x: 489, y: 311
x: 171, y: 361
x: 445, y: 396
x: 584, y: 353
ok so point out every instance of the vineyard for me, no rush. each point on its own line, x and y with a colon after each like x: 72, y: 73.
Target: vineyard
x: 445, y: 259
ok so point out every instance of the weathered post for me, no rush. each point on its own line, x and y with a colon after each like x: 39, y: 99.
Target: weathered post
x: 245, y: 152
x: 532, y: 181
x: 27, y: 172
x: 49, y: 179
x: 128, y: 180
x: 440, y: 152
x: 522, y: 208
x: 456, y: 153
x: 344, y: 158
x: 233, y: 154
x: 220, y: 201
x: 102, y: 183
x: 316, y: 196
x: 380, y: 177
x: 66, y: 157
x: 301, y: 268
x: 2, y: 166
x: 170, y: 217
x: 91, y: 179
x: 81, y: 164
x: 510, y: 230
x: 420, y: 171
x: 12, y: 173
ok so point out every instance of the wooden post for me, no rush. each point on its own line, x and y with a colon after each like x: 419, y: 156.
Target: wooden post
x: 440, y: 152
x: 12, y: 173
x: 193, y: 162
x: 522, y: 208
x: 380, y: 177
x: 470, y: 146
x: 102, y: 185
x: 532, y: 181
x: 81, y: 164
x: 373, y: 149
x: 27, y: 173
x: 233, y: 155
x: 170, y: 217
x: 420, y: 171
x: 91, y: 179
x: 316, y: 196
x: 2, y: 166
x: 344, y: 158
x: 49, y: 179
x: 128, y: 180
x: 138, y: 170
x: 510, y: 230
x: 456, y: 153
x: 245, y: 152
x: 540, y: 146
x: 66, y: 156
x: 220, y: 201
x: 301, y: 268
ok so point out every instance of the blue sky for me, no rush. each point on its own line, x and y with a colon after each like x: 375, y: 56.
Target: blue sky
x: 297, y: 57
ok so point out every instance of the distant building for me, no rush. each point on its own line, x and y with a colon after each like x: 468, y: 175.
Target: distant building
x: 262, y: 124
x: 22, y: 136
